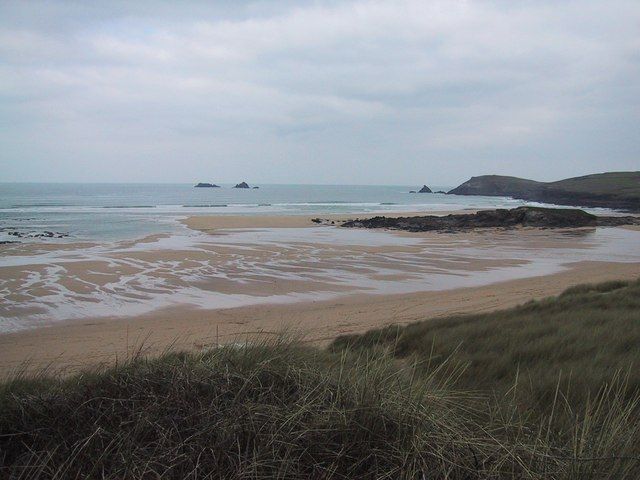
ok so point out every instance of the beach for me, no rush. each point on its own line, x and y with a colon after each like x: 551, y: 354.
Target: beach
x: 319, y: 240
x: 228, y: 279
x: 74, y: 345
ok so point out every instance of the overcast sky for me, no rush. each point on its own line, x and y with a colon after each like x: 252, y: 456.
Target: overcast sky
x: 366, y: 92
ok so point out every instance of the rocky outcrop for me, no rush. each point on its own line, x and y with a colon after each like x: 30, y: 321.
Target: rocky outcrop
x: 425, y: 189
x: 619, y: 190
x: 501, y: 218
x: 242, y: 185
x: 207, y: 185
x: 44, y: 234
x: 323, y: 221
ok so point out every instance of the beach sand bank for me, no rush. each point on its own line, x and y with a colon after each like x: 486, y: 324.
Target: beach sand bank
x: 207, y: 223
x: 73, y: 345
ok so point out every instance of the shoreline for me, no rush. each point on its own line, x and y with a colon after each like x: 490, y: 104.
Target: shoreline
x: 100, y: 340
x: 67, y: 347
x: 208, y: 223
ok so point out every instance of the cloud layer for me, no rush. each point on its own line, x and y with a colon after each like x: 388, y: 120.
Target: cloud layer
x: 318, y: 92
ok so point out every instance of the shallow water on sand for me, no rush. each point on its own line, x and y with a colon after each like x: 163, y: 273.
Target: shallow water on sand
x: 41, y: 284
x: 114, y: 212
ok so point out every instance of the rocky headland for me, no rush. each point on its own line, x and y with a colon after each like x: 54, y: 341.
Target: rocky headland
x: 619, y: 190
x: 207, y: 185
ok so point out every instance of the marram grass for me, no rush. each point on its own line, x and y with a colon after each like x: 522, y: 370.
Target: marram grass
x: 396, y: 404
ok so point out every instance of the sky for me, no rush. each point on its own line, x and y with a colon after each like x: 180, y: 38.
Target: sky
x: 353, y: 92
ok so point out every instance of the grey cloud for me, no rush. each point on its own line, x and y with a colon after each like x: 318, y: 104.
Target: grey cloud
x: 314, y: 92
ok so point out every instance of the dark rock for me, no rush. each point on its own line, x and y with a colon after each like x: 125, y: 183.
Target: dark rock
x: 501, y: 218
x: 207, y: 185
x: 425, y: 189
x: 44, y: 234
x: 412, y: 191
x: 242, y: 185
x: 255, y: 188
x: 323, y: 221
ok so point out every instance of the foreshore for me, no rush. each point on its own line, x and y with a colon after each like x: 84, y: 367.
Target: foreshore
x: 103, y: 339
x: 91, y: 342
x: 208, y: 223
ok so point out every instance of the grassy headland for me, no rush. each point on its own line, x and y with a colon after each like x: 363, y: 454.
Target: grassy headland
x: 545, y: 390
x: 619, y: 190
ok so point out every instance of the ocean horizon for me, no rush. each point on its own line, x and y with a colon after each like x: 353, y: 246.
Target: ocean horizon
x: 121, y: 211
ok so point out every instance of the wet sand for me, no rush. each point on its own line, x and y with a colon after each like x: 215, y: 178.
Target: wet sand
x: 244, y: 276
x: 208, y: 223
x: 73, y: 345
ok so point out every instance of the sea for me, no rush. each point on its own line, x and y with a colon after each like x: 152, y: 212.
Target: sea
x: 114, y: 212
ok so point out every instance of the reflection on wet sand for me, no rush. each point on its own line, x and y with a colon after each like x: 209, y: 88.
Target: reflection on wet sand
x: 40, y: 284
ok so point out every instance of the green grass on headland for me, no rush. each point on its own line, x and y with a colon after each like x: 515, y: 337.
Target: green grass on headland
x: 623, y: 184
x: 473, y: 397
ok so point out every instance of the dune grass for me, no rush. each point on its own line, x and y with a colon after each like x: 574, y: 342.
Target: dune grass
x: 274, y: 410
x: 430, y: 400
x: 560, y: 362
x: 581, y: 339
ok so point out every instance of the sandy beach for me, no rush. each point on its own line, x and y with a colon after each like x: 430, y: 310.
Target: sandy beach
x: 227, y: 278
x: 208, y: 223
x: 72, y: 345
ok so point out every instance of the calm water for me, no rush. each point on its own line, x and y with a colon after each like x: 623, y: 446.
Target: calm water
x: 126, y: 211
